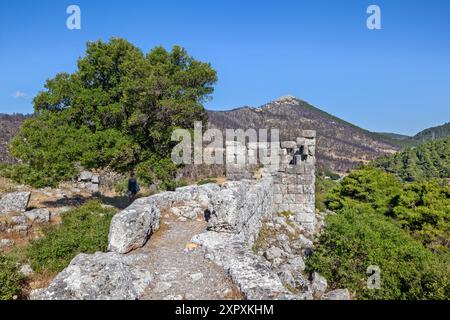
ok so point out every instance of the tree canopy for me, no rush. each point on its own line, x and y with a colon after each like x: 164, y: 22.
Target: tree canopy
x: 117, y: 110
x: 426, y: 161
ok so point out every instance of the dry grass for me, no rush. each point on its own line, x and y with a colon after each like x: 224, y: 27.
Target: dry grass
x: 221, y: 180
x: 264, y: 234
x: 6, y: 186
x: 37, y: 281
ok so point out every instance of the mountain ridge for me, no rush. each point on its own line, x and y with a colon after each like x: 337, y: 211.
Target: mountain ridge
x: 341, y: 144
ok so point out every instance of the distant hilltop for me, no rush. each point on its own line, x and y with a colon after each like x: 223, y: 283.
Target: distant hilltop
x: 341, y: 145
x: 9, y: 126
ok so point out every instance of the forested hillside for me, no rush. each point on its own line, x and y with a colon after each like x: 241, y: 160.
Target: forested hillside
x: 426, y: 161
x: 9, y: 126
x: 434, y: 133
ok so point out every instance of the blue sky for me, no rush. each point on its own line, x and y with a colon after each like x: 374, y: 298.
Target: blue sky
x: 396, y: 79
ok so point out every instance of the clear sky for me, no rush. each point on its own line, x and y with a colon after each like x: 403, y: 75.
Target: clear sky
x: 396, y: 79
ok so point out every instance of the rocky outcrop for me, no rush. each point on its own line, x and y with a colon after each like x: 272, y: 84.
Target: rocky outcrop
x: 14, y: 202
x: 101, y: 276
x: 131, y: 228
x: 38, y: 215
x: 318, y: 284
x: 255, y: 280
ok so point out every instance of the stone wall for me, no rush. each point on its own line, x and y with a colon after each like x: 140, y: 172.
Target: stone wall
x: 293, y: 175
x: 294, y: 181
x: 240, y: 206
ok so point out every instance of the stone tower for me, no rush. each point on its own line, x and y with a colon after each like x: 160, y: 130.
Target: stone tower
x: 294, y: 181
x: 293, y: 174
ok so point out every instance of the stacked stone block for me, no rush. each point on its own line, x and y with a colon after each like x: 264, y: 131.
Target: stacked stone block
x: 292, y: 167
x: 293, y: 183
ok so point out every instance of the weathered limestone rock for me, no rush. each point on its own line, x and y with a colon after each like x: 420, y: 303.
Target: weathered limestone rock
x: 339, y: 294
x: 255, y: 280
x: 20, y: 229
x: 318, y: 284
x: 92, y: 187
x: 297, y: 263
x: 26, y: 270
x: 6, y: 243
x: 131, y: 228
x: 95, y: 179
x: 14, y: 202
x: 101, y: 276
x: 85, y: 176
x: 302, y: 243
x: 196, y: 276
x: 38, y: 215
x: 189, y: 209
x: 273, y: 253
x: 19, y: 220
x: 240, y: 206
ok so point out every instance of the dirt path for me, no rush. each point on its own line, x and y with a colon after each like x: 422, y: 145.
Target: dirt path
x: 180, y: 270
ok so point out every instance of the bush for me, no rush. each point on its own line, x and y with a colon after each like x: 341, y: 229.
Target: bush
x: 83, y: 230
x: 368, y: 185
x: 358, y: 237
x: 323, y: 186
x: 10, y: 278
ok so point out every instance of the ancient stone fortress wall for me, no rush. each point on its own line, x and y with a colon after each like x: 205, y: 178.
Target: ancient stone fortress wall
x: 294, y: 181
x: 293, y: 175
x: 235, y: 212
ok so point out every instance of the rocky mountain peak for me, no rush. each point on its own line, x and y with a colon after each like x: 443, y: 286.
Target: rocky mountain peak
x: 288, y: 99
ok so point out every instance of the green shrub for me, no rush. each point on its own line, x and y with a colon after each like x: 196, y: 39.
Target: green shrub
x: 323, y: 186
x: 10, y: 278
x: 358, y: 237
x: 423, y: 208
x: 367, y: 185
x: 83, y: 230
